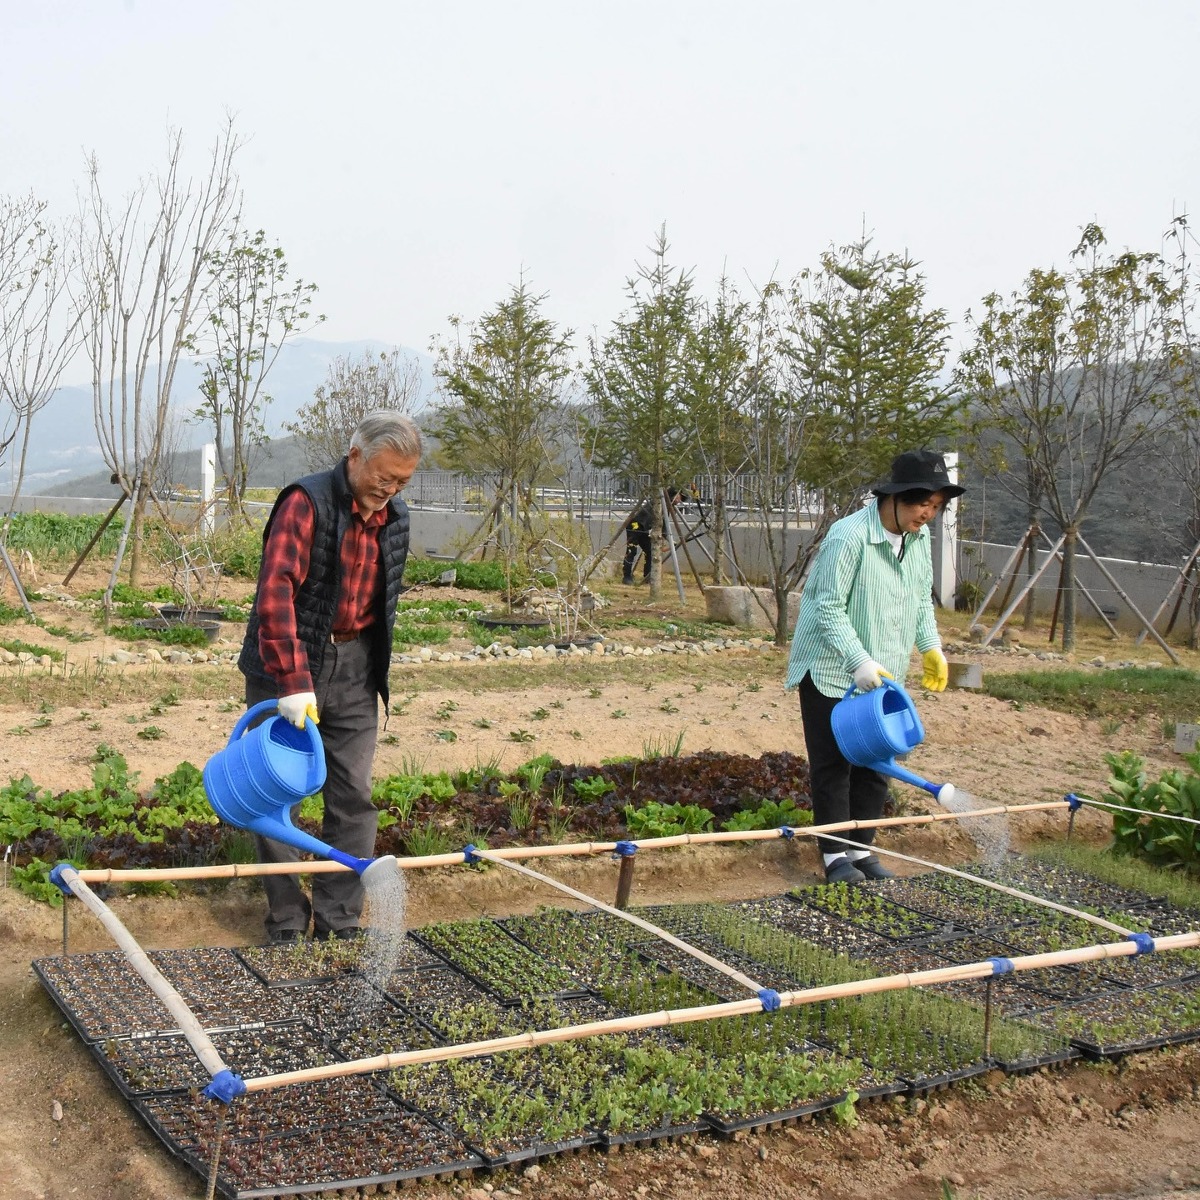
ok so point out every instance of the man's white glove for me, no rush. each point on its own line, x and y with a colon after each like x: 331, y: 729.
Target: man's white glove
x: 296, y: 707
x: 867, y: 675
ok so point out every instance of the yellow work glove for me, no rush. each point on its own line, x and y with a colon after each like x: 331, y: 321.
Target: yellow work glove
x: 937, y: 671
x: 296, y: 707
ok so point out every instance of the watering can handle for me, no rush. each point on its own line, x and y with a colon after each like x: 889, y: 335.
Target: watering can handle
x: 884, y: 681
x: 248, y: 716
x: 317, y: 777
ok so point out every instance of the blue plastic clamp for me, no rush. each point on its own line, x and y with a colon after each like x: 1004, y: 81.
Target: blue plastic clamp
x: 786, y: 831
x: 58, y: 881
x: 625, y: 850
x: 1143, y: 941
x: 226, y: 1087
x: 1001, y: 966
x: 470, y: 855
x: 1073, y: 802
x: 769, y: 998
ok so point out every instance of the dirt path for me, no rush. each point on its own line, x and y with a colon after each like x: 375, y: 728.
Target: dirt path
x: 1083, y: 1132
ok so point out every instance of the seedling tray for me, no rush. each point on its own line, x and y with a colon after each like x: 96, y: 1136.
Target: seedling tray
x: 102, y: 996
x: 537, y: 1150
x: 1051, y: 1058
x: 727, y: 1126
x: 391, y: 1145
x: 922, y: 1084
x: 637, y: 1137
x: 298, y: 963
x: 868, y: 910
x: 516, y: 973
x: 166, y: 1063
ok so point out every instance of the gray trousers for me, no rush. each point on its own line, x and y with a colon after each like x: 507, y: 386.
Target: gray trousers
x: 349, y: 709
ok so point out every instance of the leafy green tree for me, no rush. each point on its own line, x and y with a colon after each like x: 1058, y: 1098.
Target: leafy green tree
x: 847, y: 361
x: 252, y: 308
x: 355, y: 385
x: 640, y: 381
x: 501, y: 384
x: 1075, y: 370
x: 865, y: 352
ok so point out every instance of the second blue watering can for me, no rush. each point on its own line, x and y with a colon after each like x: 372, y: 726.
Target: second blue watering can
x: 263, y: 773
x: 872, y: 728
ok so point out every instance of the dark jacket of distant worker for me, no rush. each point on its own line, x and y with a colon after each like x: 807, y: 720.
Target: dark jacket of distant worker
x: 319, y: 640
x: 637, y: 536
x: 867, y: 602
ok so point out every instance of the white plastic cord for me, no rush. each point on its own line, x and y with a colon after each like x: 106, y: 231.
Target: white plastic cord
x: 1145, y: 812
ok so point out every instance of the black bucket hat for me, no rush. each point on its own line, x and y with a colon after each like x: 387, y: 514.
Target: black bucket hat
x: 918, y: 470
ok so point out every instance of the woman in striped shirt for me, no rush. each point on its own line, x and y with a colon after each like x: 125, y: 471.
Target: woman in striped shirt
x: 867, y: 602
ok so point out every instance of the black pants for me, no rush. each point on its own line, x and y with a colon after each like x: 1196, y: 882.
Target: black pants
x: 635, y: 540
x: 840, y: 790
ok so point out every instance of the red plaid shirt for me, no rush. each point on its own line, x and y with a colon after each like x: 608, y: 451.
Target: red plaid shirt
x: 285, y: 567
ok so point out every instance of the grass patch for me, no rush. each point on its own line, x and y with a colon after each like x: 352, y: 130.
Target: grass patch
x: 478, y: 576
x: 176, y: 635
x: 669, y: 627
x: 414, y: 633
x: 1123, y: 692
x: 16, y: 646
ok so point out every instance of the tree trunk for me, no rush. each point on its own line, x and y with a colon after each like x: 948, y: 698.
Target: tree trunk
x: 1031, y: 552
x: 1068, y: 583
x: 718, y: 528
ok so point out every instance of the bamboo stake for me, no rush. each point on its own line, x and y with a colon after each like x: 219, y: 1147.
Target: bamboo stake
x: 569, y: 849
x: 998, y: 887
x: 669, y: 938
x: 734, y: 1008
x: 175, y: 1004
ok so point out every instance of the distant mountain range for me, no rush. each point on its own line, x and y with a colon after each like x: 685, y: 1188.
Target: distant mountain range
x: 64, y: 447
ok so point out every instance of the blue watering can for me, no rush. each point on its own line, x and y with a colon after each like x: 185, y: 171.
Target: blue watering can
x: 255, y: 781
x: 871, y: 728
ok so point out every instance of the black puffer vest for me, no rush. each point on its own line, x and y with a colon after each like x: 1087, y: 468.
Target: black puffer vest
x: 316, y: 602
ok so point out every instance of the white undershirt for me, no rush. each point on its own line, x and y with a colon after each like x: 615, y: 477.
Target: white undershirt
x: 896, y: 539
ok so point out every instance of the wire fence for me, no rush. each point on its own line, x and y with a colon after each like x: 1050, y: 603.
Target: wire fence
x: 602, y: 493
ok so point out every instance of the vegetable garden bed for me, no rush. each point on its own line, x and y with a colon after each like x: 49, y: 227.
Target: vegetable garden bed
x: 275, y: 1009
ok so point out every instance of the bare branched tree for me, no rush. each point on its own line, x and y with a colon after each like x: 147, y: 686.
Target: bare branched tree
x: 355, y: 386
x: 39, y: 331
x: 252, y: 308
x: 142, y: 280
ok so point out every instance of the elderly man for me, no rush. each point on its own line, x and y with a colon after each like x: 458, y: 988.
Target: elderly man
x: 319, y: 640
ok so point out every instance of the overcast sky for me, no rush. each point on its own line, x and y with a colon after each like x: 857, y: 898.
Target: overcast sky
x: 414, y: 158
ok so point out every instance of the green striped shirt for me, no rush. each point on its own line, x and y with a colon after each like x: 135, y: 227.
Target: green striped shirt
x: 860, y: 602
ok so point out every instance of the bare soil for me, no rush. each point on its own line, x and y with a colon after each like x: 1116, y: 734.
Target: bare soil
x: 1109, y: 1131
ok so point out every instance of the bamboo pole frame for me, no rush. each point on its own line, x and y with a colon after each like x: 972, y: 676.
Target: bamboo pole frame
x: 568, y: 849
x: 175, y: 1004
x: 733, y: 1008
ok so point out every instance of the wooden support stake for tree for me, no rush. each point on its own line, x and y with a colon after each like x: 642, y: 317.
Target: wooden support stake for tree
x: 112, y: 512
x: 1028, y: 587
x: 1180, y: 581
x: 1137, y: 612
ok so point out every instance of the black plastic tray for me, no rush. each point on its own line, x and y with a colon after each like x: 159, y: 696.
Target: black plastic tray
x: 616, y: 1141
x: 1051, y: 1058
x: 923, y: 1084
x: 464, y: 1161
x: 727, y: 1127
